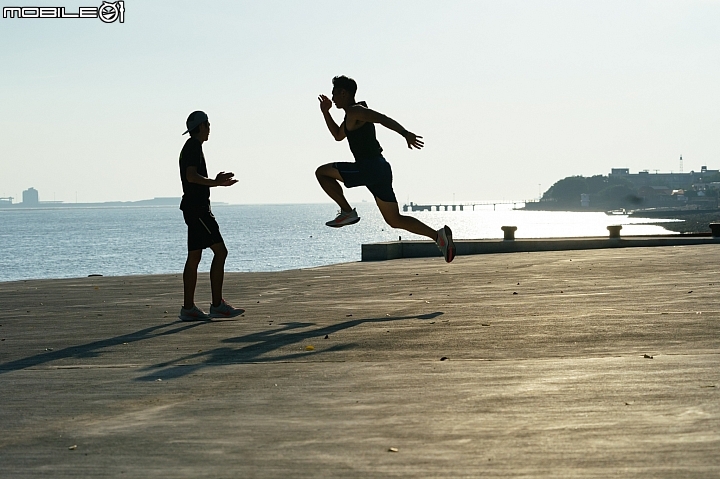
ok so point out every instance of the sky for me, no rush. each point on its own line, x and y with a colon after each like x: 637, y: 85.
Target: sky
x: 509, y: 96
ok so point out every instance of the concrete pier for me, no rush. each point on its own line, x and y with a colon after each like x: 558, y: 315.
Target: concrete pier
x: 428, y: 249
x: 593, y: 363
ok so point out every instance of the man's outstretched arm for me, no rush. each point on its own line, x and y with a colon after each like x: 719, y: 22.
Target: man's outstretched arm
x: 360, y: 113
x: 222, y: 178
x: 338, y: 132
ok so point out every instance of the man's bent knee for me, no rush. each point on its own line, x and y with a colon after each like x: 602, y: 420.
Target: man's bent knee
x: 220, y: 250
x: 328, y: 171
x: 394, y: 221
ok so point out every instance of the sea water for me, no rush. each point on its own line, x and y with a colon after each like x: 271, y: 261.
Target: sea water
x: 75, y: 241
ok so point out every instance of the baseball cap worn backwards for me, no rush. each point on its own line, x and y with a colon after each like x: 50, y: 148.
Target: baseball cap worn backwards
x: 195, y: 119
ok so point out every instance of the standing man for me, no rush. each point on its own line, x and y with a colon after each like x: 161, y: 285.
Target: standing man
x: 203, y: 230
x: 370, y: 168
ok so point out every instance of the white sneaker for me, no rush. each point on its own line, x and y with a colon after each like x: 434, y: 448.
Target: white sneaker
x: 445, y: 243
x: 344, y: 218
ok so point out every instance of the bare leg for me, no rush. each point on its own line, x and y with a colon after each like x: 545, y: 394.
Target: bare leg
x: 391, y: 213
x: 328, y: 176
x: 217, y: 272
x: 190, y: 277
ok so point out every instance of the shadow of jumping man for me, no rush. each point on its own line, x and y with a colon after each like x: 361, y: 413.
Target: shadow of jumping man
x: 94, y: 349
x: 260, y: 344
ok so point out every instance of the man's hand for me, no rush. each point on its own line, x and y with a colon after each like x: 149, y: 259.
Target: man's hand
x: 225, y: 179
x: 413, y: 140
x: 325, y: 103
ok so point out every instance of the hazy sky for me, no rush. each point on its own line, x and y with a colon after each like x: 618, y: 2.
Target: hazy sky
x: 508, y: 95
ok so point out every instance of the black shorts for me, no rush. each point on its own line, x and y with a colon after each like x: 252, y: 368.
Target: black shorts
x: 203, y: 230
x: 373, y: 173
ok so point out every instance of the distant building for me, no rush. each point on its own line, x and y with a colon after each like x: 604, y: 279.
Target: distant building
x: 673, y: 181
x: 31, y: 197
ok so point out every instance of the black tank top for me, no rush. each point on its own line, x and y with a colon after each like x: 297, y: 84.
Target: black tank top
x: 362, y: 141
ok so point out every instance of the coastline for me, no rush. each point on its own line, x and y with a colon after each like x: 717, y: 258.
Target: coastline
x: 128, y: 241
x: 692, y: 222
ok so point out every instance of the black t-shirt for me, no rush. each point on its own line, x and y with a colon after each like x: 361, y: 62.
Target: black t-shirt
x: 194, y: 196
x: 363, y: 142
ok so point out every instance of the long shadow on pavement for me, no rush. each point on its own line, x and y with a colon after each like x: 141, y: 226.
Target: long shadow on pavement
x: 262, y: 343
x: 90, y: 350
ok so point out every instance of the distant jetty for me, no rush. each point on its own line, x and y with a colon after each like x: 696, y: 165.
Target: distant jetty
x: 462, y: 206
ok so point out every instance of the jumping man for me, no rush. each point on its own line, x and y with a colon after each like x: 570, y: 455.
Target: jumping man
x: 370, y: 168
x: 203, y: 230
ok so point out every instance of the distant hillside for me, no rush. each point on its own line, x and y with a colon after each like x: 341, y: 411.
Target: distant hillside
x: 630, y: 192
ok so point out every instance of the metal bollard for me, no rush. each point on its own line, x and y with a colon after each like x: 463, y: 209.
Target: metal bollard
x: 509, y: 232
x: 614, y: 231
x: 715, y: 228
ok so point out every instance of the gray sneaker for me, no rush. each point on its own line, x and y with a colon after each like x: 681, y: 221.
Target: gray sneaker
x: 344, y: 218
x: 193, y: 314
x: 225, y: 311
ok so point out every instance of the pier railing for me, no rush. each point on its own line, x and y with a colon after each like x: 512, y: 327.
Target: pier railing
x: 463, y: 206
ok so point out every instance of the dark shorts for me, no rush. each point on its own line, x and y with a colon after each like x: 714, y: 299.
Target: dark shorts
x: 203, y: 230
x: 374, y: 173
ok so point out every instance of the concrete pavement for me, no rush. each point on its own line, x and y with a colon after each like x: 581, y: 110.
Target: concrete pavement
x: 598, y: 363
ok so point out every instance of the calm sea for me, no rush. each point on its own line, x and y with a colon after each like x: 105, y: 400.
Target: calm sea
x: 76, y: 242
